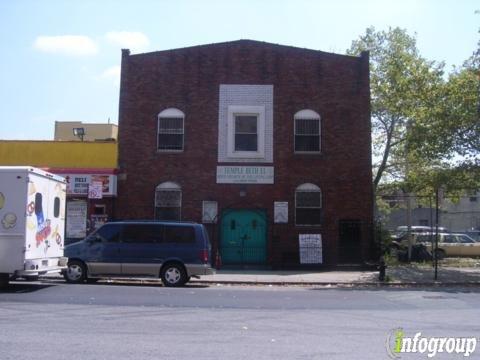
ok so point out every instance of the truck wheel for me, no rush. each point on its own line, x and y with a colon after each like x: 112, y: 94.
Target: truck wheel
x: 173, y: 275
x: 76, y: 272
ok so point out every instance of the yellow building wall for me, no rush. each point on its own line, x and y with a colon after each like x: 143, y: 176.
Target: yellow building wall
x: 58, y: 154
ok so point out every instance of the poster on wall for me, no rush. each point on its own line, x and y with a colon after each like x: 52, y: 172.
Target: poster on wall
x: 95, y: 190
x: 280, y: 213
x: 210, y: 212
x: 76, y: 224
x: 310, y: 246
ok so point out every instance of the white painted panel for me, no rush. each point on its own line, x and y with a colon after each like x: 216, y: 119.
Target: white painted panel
x: 231, y: 96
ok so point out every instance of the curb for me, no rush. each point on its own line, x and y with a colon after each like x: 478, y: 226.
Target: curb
x: 377, y: 284
x: 349, y: 284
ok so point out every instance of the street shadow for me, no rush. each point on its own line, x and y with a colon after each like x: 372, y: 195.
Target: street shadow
x: 426, y: 274
x: 392, y: 287
x: 414, y: 277
x: 136, y: 283
x: 19, y: 288
x: 290, y: 272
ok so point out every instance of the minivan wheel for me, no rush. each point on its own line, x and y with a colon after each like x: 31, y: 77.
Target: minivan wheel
x: 76, y: 272
x: 173, y: 275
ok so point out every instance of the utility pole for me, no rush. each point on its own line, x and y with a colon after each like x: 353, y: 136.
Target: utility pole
x: 435, y: 252
x: 409, y: 194
x: 409, y: 225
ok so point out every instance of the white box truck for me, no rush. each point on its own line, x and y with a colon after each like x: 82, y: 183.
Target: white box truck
x: 32, y: 222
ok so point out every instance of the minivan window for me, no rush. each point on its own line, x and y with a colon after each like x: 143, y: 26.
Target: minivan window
x: 109, y: 233
x: 180, y: 234
x: 142, y: 233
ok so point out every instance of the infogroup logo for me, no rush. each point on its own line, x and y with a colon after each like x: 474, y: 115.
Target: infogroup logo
x: 397, y: 344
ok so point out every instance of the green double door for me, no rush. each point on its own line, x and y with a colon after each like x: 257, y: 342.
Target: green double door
x: 243, y: 237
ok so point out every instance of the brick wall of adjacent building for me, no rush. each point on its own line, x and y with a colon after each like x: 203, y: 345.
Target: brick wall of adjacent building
x: 189, y: 79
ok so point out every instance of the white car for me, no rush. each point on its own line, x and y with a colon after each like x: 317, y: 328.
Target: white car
x: 450, y: 244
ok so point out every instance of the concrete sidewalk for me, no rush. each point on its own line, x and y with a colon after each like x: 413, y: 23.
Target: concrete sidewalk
x: 408, y: 275
x: 402, y: 275
x: 265, y: 277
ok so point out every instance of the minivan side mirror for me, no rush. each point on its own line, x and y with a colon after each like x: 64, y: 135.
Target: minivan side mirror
x: 94, y: 239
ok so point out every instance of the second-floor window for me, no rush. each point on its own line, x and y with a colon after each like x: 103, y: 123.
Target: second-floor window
x: 170, y: 130
x: 246, y: 133
x: 307, y: 132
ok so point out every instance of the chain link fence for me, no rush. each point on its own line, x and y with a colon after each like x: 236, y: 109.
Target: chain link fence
x: 438, y: 236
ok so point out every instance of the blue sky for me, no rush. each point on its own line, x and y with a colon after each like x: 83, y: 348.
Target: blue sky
x: 60, y: 59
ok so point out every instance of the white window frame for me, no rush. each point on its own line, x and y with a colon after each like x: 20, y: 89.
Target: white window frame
x: 259, y: 112
x: 307, y: 114
x: 308, y: 187
x: 171, y: 113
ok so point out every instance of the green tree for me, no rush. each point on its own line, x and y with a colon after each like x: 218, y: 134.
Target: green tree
x: 453, y: 132
x: 404, y: 87
x: 448, y: 138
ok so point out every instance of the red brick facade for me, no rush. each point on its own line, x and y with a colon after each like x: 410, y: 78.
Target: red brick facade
x: 334, y: 86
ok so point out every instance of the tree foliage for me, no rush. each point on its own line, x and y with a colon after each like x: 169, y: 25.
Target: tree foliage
x: 448, y: 139
x: 425, y: 128
x: 404, y: 87
x: 453, y: 132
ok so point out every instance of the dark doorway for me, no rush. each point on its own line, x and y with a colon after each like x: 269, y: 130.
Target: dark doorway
x: 350, y: 239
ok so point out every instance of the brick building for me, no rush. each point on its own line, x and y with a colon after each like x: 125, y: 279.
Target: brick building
x: 268, y: 145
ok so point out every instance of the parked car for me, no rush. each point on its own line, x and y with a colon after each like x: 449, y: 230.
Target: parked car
x: 454, y: 244
x: 402, y: 230
x: 173, y: 251
x: 474, y: 234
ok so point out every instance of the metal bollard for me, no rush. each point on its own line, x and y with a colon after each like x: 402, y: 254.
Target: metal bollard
x: 381, y: 270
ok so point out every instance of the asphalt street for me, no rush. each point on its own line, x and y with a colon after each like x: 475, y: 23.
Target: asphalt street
x: 54, y: 320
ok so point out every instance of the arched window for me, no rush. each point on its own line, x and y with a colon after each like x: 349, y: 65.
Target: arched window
x: 308, y: 204
x: 307, y: 131
x: 170, y: 130
x: 168, y: 201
